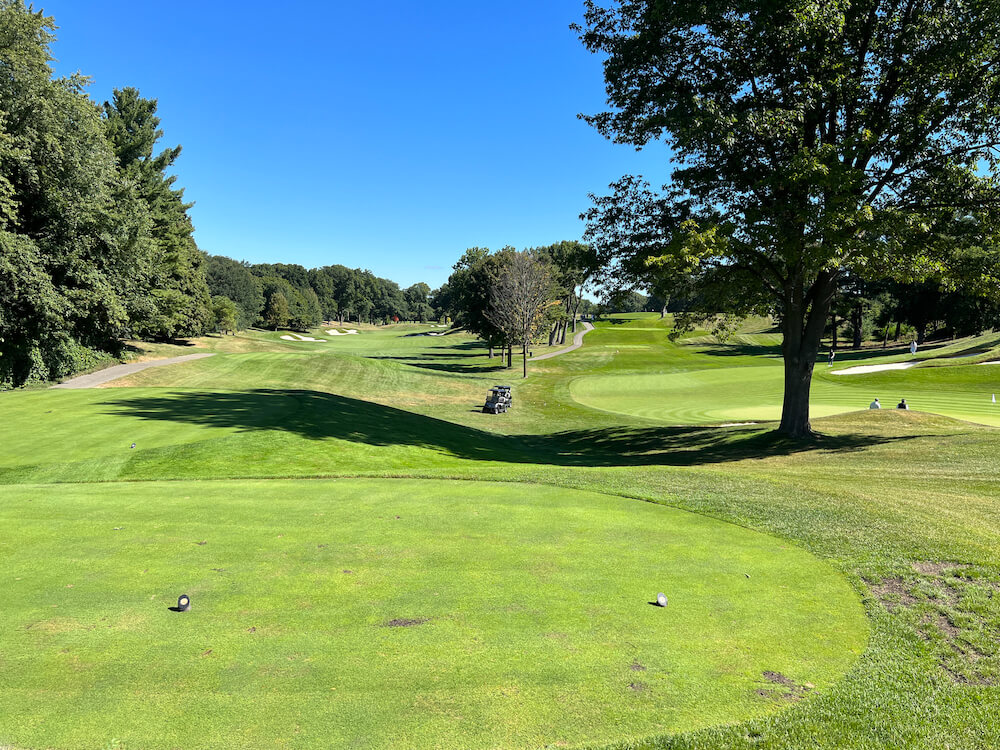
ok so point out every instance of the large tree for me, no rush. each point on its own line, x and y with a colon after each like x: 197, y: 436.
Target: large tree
x: 74, y: 245
x: 811, y: 139
x: 180, y: 303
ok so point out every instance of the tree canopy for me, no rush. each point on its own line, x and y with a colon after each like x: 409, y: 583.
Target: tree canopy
x: 811, y: 139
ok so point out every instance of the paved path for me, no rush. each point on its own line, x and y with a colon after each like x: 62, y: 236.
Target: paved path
x: 577, y: 343
x: 108, y: 374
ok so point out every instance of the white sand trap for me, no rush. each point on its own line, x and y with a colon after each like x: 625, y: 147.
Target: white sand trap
x: 991, y: 362
x: 335, y: 332
x: 874, y: 368
x: 297, y: 337
x: 736, y: 424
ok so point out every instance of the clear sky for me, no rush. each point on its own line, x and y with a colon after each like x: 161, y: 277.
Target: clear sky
x: 389, y: 136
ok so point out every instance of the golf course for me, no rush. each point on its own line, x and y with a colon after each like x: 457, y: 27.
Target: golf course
x: 373, y: 562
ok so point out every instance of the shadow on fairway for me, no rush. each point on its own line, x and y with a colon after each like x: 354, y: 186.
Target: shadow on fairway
x: 843, y: 355
x: 319, y: 416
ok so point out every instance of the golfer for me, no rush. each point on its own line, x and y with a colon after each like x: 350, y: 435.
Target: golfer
x: 833, y: 355
x: 913, y: 347
x: 875, y: 405
x: 902, y: 404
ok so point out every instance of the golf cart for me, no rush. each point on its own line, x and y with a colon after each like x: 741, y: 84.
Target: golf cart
x: 498, y: 400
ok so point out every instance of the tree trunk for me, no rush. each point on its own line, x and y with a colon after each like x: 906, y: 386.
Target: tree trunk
x: 885, y: 339
x: 802, y: 332
x: 524, y: 351
x: 921, y: 332
x: 857, y: 321
x: 576, y: 307
x: 898, y: 330
x: 491, y: 351
x: 552, y: 333
x: 833, y: 326
x: 562, y: 332
x: 510, y: 357
x: 663, y: 311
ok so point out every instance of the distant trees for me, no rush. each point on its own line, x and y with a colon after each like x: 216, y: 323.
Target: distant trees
x: 276, y: 311
x: 508, y: 298
x: 225, y: 313
x: 572, y: 265
x: 236, y: 281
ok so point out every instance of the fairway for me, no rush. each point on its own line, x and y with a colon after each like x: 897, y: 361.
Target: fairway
x: 703, y: 396
x: 346, y: 613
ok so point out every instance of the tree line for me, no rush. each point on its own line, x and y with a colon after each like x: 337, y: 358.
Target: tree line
x: 95, y: 239
x: 96, y: 242
x: 283, y: 295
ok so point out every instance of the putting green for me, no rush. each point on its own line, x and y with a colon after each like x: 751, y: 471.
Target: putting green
x: 755, y: 393
x: 396, y: 613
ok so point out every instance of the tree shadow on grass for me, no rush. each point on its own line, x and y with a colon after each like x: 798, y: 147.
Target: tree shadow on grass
x: 320, y: 416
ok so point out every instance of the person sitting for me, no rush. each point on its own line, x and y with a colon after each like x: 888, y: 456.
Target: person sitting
x: 875, y: 405
x: 902, y: 404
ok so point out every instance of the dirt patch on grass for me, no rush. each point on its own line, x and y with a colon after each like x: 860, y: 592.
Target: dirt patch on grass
x: 405, y: 622
x: 953, y: 608
x: 787, y: 688
x: 894, y: 593
x: 779, y: 679
x: 637, y: 667
x: 932, y: 568
x: 638, y: 687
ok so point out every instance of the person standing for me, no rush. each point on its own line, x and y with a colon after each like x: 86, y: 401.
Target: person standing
x: 902, y: 404
x: 875, y: 405
x: 913, y: 348
x: 833, y: 355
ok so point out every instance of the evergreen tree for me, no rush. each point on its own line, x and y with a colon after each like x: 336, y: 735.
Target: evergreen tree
x: 181, y: 301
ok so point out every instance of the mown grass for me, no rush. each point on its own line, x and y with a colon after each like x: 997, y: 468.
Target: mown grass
x: 349, y: 613
x: 884, y: 497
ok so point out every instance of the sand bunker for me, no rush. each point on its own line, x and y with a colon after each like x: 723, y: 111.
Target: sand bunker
x: 874, y: 368
x: 335, y: 332
x: 297, y: 337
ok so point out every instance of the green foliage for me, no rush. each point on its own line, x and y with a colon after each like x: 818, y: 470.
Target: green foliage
x: 469, y: 294
x: 96, y: 242
x: 74, y: 238
x: 276, y: 311
x: 226, y: 314
x: 235, y: 280
x: 180, y: 295
x: 812, y: 140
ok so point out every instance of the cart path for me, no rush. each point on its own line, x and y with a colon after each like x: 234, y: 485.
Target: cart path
x: 108, y: 374
x: 577, y: 343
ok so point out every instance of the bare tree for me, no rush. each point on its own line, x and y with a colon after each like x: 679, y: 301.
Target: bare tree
x: 519, y: 294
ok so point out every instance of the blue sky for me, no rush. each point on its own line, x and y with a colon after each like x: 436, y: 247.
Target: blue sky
x: 388, y: 136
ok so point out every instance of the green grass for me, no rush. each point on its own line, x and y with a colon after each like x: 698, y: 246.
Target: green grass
x: 547, y: 638
x: 905, y: 507
x: 745, y: 382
